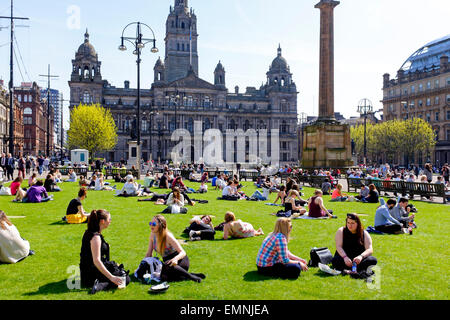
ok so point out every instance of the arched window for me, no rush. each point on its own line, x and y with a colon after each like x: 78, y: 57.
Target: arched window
x: 86, y: 73
x: 27, y: 111
x: 232, y: 124
x: 182, y: 47
x: 246, y: 125
x: 183, y: 25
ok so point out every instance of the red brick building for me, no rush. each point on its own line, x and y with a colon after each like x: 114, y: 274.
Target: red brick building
x: 35, y: 119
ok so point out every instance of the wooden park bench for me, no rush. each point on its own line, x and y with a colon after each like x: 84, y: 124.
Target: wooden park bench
x: 405, y: 188
x: 244, y: 174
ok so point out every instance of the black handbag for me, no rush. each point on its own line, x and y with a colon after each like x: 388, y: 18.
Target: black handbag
x: 322, y: 255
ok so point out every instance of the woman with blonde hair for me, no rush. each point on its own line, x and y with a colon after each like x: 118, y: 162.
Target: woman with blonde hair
x: 12, y: 247
x: 274, y: 259
x: 337, y: 194
x: 290, y: 205
x: 176, y: 262
x: 238, y: 229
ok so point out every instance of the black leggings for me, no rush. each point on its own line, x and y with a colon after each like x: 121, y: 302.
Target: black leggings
x: 178, y: 272
x: 281, y: 270
x: 339, y: 264
x: 389, y: 228
x: 205, y: 233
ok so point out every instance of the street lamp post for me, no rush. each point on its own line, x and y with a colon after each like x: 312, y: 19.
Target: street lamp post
x: 364, y: 109
x: 138, y: 43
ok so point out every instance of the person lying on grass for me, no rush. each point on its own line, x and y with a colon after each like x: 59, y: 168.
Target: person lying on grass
x: 176, y: 262
x: 353, y: 246
x: 75, y: 212
x: 316, y: 207
x: 238, y: 229
x: 12, y: 247
x: 274, y: 259
x: 200, y: 228
x: 94, y: 255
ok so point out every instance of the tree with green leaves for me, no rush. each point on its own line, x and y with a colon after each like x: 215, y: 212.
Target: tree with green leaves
x: 92, y: 127
x: 390, y: 139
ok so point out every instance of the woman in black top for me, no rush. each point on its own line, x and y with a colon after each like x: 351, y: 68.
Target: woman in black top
x: 95, y: 253
x: 353, y: 245
x: 50, y: 184
x: 373, y: 196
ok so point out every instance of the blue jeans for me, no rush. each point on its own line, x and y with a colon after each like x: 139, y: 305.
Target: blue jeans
x: 339, y: 199
x: 40, y: 169
x: 258, y: 195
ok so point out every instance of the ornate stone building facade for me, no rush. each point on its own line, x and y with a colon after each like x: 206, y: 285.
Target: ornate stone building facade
x: 4, y: 122
x: 178, y: 97
x: 422, y: 89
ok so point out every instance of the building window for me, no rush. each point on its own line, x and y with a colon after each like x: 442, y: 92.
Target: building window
x: 25, y: 98
x: 436, y: 100
x: 207, y: 102
x: 19, y: 97
x: 420, y: 103
x: 448, y: 135
x: 448, y: 98
x: 391, y: 108
x: 420, y: 87
x: 448, y: 81
x: 413, y: 89
x: 428, y: 117
x: 448, y: 115
x: 436, y: 83
x: 27, y: 111
x: 144, y: 125
x: 411, y: 104
x: 405, y: 91
x: 86, y: 97
x: 182, y: 47
x: 428, y: 101
x: 178, y: 47
x: 429, y: 85
x: 436, y: 116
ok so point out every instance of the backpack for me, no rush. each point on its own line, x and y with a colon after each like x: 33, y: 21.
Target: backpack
x: 115, y: 269
x: 322, y: 255
x: 152, y: 266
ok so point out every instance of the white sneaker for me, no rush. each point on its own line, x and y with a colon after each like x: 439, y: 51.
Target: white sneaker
x: 192, y: 233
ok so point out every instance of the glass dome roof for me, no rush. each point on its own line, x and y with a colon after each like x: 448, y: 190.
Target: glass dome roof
x: 428, y: 56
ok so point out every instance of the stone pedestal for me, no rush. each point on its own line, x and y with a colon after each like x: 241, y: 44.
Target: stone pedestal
x: 326, y: 145
x: 134, y: 155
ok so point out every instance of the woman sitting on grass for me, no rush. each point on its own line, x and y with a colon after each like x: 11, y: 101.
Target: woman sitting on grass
x: 200, y: 229
x: 95, y: 254
x: 15, y: 185
x: 50, y: 184
x: 176, y: 262
x: 72, y: 176
x: 75, y: 213
x: 337, y: 194
x: 35, y: 194
x: 353, y: 245
x: 33, y: 179
x: 12, y: 247
x: 175, y: 200
x: 83, y: 182
x: 316, y: 207
x: 290, y: 203
x: 373, y: 195
x: 281, y: 195
x: 238, y: 229
x: 274, y: 258
x: 100, y: 185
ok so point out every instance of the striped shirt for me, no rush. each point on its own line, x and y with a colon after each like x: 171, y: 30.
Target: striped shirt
x: 273, y: 250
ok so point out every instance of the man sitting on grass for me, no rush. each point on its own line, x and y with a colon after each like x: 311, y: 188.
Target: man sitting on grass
x: 35, y: 193
x: 384, y: 222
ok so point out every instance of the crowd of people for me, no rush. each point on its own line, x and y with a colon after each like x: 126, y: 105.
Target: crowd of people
x: 353, y: 243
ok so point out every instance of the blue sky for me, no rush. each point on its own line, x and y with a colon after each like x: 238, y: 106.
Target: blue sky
x: 371, y: 38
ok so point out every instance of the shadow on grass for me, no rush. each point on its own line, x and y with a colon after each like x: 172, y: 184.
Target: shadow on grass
x: 254, y: 276
x: 53, y: 288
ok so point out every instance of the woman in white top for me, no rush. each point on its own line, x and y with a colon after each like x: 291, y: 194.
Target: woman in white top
x: 99, y: 184
x: 12, y: 247
x: 130, y: 188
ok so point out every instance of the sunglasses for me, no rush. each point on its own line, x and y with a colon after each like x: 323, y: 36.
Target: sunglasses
x: 152, y: 224
x: 351, y: 215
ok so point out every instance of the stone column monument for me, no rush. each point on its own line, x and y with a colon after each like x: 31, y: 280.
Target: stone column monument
x: 326, y: 143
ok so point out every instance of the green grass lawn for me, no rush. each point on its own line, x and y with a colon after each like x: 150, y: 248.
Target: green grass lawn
x: 411, y: 267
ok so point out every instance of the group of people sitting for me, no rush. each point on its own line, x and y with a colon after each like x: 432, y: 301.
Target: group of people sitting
x: 36, y: 191
x: 353, y: 247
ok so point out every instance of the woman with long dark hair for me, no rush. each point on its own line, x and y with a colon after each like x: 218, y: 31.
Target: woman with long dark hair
x: 95, y: 253
x: 353, y: 245
x: 176, y: 262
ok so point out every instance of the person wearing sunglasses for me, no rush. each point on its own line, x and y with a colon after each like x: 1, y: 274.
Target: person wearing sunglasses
x: 176, y: 262
x: 353, y: 245
x: 201, y: 228
x: 274, y: 259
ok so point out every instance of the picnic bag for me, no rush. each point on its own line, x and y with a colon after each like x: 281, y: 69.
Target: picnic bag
x: 322, y: 255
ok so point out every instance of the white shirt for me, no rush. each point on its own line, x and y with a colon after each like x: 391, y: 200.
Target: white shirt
x: 204, y: 187
x: 227, y: 191
x: 98, y: 185
x: 130, y: 187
